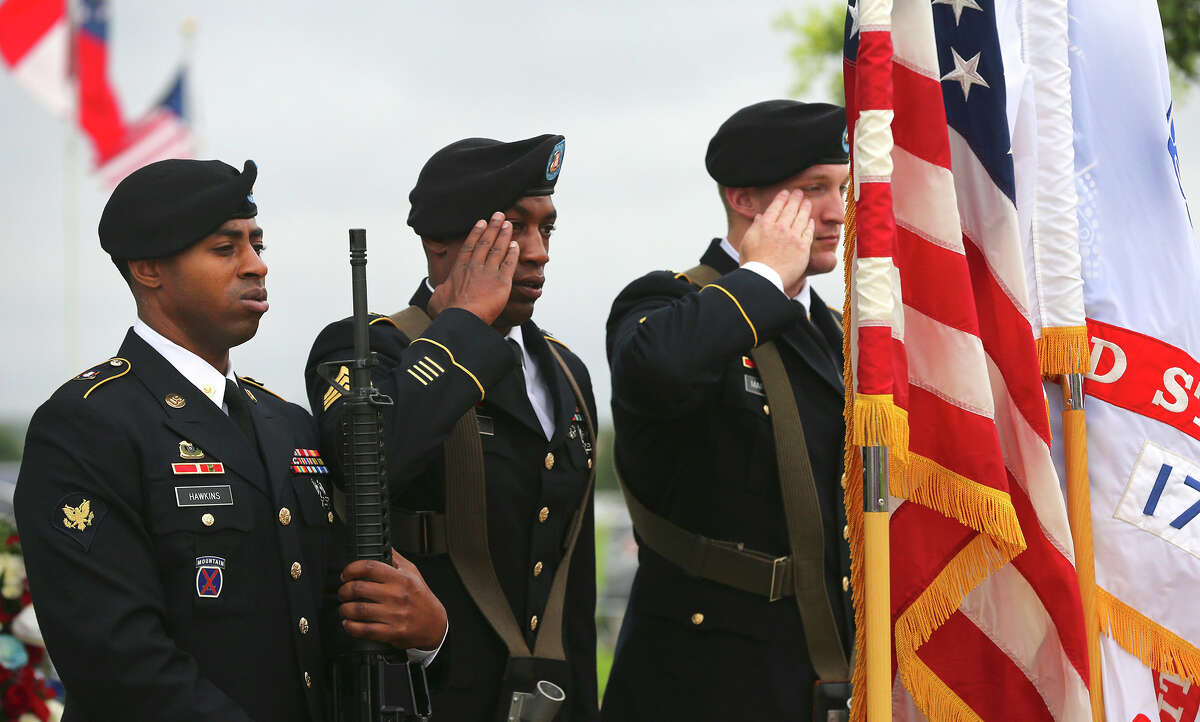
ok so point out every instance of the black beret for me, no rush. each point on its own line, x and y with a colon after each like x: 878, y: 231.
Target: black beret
x: 473, y: 178
x: 771, y: 141
x: 163, y: 208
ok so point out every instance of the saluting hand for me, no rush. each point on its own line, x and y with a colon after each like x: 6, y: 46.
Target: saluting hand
x: 391, y: 604
x: 781, y: 237
x: 481, y: 279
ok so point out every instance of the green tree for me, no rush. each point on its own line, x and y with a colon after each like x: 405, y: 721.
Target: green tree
x: 12, y: 439
x: 816, y: 51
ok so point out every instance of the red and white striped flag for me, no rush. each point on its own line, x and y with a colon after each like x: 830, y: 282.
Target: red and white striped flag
x: 987, y: 623
x: 160, y: 134
x: 35, y: 42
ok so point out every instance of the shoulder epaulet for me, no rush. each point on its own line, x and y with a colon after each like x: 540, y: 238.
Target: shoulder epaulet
x: 258, y: 384
x: 383, y: 319
x: 551, y: 338
x: 102, y: 373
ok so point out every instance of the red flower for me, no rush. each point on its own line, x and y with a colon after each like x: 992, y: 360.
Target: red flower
x: 17, y: 700
x: 12, y: 540
x: 35, y: 654
x: 5, y: 675
x: 26, y: 597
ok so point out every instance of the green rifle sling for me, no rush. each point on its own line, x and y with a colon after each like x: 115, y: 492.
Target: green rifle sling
x: 733, y: 565
x: 465, y: 522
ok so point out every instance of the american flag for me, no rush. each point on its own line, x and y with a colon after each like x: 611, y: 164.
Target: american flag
x: 987, y: 623
x: 161, y: 133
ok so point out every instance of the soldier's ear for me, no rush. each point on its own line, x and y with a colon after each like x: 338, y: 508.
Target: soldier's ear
x: 146, y: 272
x: 740, y: 201
x: 435, y: 248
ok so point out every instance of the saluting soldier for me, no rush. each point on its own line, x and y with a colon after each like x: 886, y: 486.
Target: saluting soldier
x: 723, y: 376
x: 490, y: 441
x: 175, y: 517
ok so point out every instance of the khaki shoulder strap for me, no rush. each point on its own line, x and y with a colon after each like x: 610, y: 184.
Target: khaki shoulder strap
x: 802, y: 511
x: 701, y: 275
x: 731, y: 564
x: 466, y: 523
x: 412, y: 321
x: 549, y: 646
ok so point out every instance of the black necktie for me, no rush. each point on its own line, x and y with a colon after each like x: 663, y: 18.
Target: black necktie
x: 239, y: 410
x: 519, y: 374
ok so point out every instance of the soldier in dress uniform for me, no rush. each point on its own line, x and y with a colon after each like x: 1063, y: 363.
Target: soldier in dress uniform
x: 720, y: 374
x: 175, y: 517
x: 490, y: 443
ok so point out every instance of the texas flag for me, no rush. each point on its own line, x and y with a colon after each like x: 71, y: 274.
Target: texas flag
x: 99, y: 114
x: 35, y: 46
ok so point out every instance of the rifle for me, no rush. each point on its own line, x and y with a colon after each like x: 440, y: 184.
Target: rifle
x: 372, y: 681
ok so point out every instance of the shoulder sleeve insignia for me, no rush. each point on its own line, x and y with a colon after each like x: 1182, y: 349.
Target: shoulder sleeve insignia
x: 77, y: 516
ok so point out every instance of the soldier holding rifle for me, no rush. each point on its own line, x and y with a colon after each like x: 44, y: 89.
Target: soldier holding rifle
x: 489, y: 441
x: 175, y: 517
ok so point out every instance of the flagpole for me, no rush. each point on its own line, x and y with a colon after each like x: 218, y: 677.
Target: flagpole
x: 71, y: 220
x: 1079, y: 513
x: 877, y: 555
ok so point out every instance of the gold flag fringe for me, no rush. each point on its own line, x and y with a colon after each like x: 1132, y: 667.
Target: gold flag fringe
x: 877, y: 421
x: 1156, y: 646
x: 984, y: 509
x: 1063, y: 350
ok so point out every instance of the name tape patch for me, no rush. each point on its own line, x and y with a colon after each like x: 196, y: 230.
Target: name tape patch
x: 754, y: 385
x: 220, y: 495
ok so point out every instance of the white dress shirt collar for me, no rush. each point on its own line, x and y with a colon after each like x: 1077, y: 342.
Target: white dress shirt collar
x: 199, y: 372
x: 805, y: 295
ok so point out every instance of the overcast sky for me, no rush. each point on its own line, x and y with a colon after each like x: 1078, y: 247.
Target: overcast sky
x: 341, y: 103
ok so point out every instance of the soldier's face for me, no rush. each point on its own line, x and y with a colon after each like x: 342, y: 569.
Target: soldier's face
x: 825, y: 187
x: 532, y: 219
x: 215, y: 290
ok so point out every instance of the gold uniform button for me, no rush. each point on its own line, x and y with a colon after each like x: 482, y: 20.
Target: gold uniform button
x: 544, y: 514
x: 767, y: 409
x: 697, y: 619
x: 537, y: 569
x: 175, y: 401
x: 114, y: 362
x: 845, y: 584
x: 303, y: 625
x: 285, y: 516
x: 208, y: 520
x: 331, y: 517
x: 533, y: 623
x: 549, y: 460
x: 208, y: 390
x: 589, y: 462
x: 307, y: 679
x: 296, y: 570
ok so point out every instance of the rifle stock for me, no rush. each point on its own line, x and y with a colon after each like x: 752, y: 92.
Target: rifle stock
x: 373, y: 681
